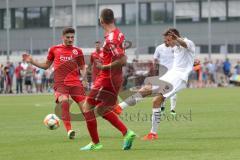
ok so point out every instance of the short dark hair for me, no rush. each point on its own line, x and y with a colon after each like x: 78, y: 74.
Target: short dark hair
x: 107, y: 16
x: 169, y: 30
x: 68, y: 30
x: 97, y: 42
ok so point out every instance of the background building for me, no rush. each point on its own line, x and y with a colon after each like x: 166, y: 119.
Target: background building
x: 34, y: 25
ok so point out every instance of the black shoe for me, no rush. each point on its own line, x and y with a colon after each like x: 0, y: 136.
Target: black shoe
x: 172, y: 112
x: 162, y: 109
x: 71, y: 134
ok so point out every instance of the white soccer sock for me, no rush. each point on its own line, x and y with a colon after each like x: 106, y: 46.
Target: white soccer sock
x: 131, y: 101
x: 155, y: 119
x: 173, y: 101
x: 123, y: 105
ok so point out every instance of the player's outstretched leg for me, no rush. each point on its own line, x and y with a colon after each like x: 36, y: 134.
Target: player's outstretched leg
x: 134, y: 99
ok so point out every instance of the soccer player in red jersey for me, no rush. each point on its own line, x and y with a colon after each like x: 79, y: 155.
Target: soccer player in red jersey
x: 94, y: 58
x: 68, y: 61
x: 103, y: 94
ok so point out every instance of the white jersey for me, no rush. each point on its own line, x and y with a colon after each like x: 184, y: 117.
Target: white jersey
x: 184, y: 59
x: 164, y: 55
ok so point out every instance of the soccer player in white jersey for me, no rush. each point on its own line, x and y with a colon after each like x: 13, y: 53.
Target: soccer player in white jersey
x: 177, y: 77
x: 164, y: 56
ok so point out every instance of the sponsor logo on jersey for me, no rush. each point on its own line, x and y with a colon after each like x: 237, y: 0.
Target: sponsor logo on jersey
x: 65, y: 58
x: 75, y: 52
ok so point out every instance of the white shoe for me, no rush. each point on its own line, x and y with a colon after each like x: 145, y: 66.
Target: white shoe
x: 71, y: 134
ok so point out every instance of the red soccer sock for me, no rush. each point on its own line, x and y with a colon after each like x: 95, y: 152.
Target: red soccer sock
x: 92, y: 126
x: 115, y: 121
x: 66, y: 116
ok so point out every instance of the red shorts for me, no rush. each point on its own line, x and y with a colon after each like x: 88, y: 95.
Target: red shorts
x: 76, y: 92
x: 104, y: 93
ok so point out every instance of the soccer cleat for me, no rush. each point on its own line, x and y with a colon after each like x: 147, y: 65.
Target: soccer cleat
x: 128, y: 140
x: 71, y: 134
x: 150, y: 136
x: 162, y: 112
x: 172, y: 112
x: 117, y: 109
x: 91, y: 146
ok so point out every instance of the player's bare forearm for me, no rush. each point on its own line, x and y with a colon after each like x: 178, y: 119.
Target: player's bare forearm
x: 44, y: 65
x: 89, y: 68
x: 116, y: 64
x: 83, y: 71
x: 181, y: 42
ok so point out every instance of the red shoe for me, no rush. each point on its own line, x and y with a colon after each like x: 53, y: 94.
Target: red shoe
x: 117, y: 109
x: 150, y: 136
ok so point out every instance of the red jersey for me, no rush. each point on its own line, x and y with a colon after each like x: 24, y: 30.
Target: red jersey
x: 95, y: 56
x: 66, y: 62
x: 18, y: 72
x: 113, y: 49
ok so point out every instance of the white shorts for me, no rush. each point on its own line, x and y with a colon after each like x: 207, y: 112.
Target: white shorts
x: 174, y: 79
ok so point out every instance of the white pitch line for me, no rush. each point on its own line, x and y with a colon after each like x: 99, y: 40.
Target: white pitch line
x: 26, y: 94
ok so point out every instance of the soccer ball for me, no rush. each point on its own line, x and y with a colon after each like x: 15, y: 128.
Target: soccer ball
x: 51, y: 121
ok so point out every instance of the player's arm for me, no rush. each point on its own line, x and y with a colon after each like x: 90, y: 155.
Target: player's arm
x: 44, y: 65
x: 116, y: 51
x: 82, y: 68
x: 116, y: 64
x: 89, y: 67
x: 179, y: 40
x: 83, y: 71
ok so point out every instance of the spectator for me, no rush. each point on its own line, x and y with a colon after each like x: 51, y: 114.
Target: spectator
x: 211, y: 74
x: 24, y: 65
x: 38, y: 80
x: 44, y: 80
x: 219, y: 71
x: 227, y: 67
x: 7, y: 78
x: 205, y: 74
x: 19, y: 73
x: 151, y: 67
x: 128, y: 72
x: 11, y: 74
x: 47, y: 75
x: 237, y: 68
x: 1, y: 79
x: 51, y: 80
x: 198, y: 69
x: 28, y: 78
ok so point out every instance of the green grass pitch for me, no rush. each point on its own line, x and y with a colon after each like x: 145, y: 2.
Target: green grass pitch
x: 207, y: 128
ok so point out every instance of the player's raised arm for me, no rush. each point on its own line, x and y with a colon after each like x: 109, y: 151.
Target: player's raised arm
x: 44, y: 65
x: 179, y: 40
